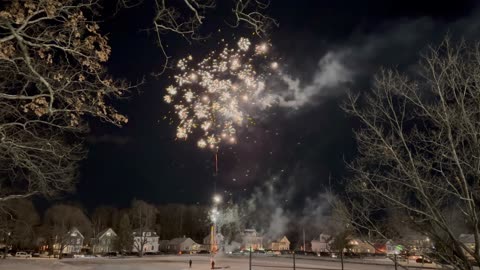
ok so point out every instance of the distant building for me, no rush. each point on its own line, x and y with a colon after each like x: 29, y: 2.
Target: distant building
x: 361, y: 247
x: 282, y: 244
x: 72, y: 243
x: 163, y: 245
x: 251, y: 240
x: 149, y: 238
x: 387, y: 247
x: 183, y: 245
x: 105, y: 241
x: 322, y: 243
x: 416, y: 243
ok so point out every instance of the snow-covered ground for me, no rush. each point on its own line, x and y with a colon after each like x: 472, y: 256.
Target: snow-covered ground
x: 181, y: 263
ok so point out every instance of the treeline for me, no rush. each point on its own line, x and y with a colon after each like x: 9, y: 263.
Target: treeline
x: 23, y: 227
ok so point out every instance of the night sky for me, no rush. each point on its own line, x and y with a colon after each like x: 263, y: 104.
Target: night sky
x: 300, y: 148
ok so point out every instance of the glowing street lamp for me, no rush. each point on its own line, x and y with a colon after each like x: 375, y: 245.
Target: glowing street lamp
x: 217, y: 199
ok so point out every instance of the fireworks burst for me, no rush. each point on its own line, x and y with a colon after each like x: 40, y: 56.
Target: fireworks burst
x: 217, y: 95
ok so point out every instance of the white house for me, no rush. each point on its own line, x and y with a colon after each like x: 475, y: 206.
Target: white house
x: 148, y: 238
x: 105, y: 241
x: 183, y: 244
x: 71, y: 243
x: 251, y: 240
x: 322, y: 244
x: 282, y: 244
x: 360, y: 246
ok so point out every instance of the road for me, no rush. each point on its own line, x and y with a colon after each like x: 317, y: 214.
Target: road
x: 181, y: 263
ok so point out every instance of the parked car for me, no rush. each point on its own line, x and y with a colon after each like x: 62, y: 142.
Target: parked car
x: 333, y: 255
x: 67, y: 255
x: 423, y: 260
x: 22, y: 254
x: 203, y: 252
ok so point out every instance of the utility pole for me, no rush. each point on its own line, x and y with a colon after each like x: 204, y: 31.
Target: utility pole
x: 250, y: 259
x: 395, y: 257
x: 294, y: 259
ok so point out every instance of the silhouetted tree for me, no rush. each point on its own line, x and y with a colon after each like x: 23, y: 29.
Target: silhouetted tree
x: 59, y: 220
x: 124, y: 241
x: 143, y: 218
x: 52, y: 77
x: 419, y: 151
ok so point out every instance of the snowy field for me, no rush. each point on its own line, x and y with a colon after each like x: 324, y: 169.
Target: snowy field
x: 199, y: 262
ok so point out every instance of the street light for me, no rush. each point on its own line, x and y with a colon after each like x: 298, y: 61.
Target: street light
x: 217, y: 199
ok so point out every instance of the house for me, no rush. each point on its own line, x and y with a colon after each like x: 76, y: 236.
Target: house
x: 361, y: 247
x: 183, y: 245
x: 105, y: 241
x: 72, y: 242
x: 251, y: 240
x: 282, y: 244
x: 322, y: 244
x: 387, y: 247
x: 148, y: 238
x: 416, y: 243
x: 163, y: 245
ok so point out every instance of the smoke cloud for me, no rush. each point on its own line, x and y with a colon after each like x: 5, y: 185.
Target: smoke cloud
x: 331, y: 74
x: 352, y: 64
x: 270, y: 210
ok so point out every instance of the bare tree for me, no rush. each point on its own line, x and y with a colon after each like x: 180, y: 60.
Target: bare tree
x: 124, y: 241
x: 102, y: 219
x: 186, y: 17
x: 419, y: 151
x: 143, y: 218
x: 340, y: 242
x: 51, y: 77
x: 59, y: 220
x: 18, y: 219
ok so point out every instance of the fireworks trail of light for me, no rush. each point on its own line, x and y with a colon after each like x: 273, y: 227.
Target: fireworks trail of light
x: 216, y: 96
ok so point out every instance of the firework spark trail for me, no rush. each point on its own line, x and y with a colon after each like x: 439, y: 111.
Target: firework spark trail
x: 217, y: 95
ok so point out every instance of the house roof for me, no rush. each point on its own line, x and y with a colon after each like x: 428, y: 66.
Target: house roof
x: 178, y: 241
x: 102, y: 233
x: 138, y: 231
x: 75, y: 232
x: 284, y: 239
